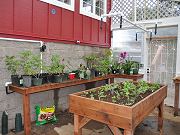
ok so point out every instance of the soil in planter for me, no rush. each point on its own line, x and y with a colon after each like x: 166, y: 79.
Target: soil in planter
x: 127, y: 93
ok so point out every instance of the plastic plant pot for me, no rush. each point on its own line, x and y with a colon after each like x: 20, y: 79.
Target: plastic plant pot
x: 71, y: 76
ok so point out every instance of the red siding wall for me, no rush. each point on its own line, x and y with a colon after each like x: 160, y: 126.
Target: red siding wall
x: 32, y: 19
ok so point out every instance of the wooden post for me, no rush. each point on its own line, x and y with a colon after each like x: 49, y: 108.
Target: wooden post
x: 77, y: 120
x: 128, y: 132
x: 110, y: 80
x: 27, y: 116
x: 115, y: 130
x: 56, y: 100
x: 160, y: 117
x: 176, y: 100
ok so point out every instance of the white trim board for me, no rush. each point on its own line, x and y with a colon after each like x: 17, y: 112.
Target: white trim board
x: 60, y: 4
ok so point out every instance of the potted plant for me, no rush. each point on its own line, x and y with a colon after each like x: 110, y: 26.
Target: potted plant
x: 104, y: 63
x: 27, y: 67
x: 56, y: 68
x: 127, y: 67
x: 91, y: 61
x: 13, y: 66
x: 115, y: 67
x: 125, y: 62
x: 135, y: 67
x: 37, y: 67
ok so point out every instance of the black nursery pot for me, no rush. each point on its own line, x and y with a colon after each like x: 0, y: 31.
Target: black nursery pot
x: 97, y: 73
x: 37, y: 81
x: 65, y: 77
x: 50, y: 78
x: 127, y: 71
x: 27, y: 80
x: 92, y: 73
x: 58, y: 78
x: 135, y: 71
x: 15, y: 79
x: 114, y: 71
x: 44, y: 77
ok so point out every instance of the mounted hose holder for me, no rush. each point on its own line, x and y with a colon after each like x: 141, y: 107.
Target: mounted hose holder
x: 7, y: 88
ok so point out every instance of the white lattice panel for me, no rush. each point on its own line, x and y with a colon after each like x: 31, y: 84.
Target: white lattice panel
x: 145, y: 9
x: 125, y: 7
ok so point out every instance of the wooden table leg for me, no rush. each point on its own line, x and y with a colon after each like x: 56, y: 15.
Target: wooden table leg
x: 176, y: 100
x: 115, y: 130
x: 160, y: 117
x: 128, y: 132
x: 56, y: 100
x: 110, y: 80
x: 27, y: 116
x: 77, y: 120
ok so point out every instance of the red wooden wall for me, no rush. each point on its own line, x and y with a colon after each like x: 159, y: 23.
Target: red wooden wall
x: 32, y: 19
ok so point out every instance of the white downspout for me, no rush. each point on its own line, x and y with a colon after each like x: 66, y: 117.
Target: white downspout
x: 178, y: 53
x: 24, y: 40
x: 145, y: 58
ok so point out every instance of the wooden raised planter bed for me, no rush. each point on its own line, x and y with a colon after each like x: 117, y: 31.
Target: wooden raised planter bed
x: 115, y: 115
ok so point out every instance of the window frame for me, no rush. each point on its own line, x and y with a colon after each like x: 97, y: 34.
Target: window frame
x: 60, y: 4
x: 93, y: 15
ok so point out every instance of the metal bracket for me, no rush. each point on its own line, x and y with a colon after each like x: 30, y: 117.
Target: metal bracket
x: 8, y: 91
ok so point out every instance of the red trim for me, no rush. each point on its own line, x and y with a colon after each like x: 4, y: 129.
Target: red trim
x: 54, y: 40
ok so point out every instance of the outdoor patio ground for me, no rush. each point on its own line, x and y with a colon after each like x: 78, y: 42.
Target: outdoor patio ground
x: 147, y: 127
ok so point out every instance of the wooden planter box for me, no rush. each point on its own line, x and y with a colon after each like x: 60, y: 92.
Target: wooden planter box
x: 114, y: 115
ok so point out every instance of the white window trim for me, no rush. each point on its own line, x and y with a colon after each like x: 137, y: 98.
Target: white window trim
x: 60, y: 4
x: 93, y: 15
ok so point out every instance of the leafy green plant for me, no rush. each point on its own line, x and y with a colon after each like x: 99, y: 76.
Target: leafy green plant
x: 27, y: 62
x: 142, y: 87
x: 114, y: 99
x: 56, y: 66
x: 127, y: 88
x: 101, y: 94
x: 90, y: 60
x: 115, y: 65
x: 135, y: 64
x: 103, y: 65
x: 126, y: 93
x: 127, y: 65
x: 37, y: 65
x: 12, y: 64
x: 154, y: 87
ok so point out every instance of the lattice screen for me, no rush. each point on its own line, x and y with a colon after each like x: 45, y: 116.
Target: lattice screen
x: 126, y: 7
x: 162, y: 63
x: 145, y: 9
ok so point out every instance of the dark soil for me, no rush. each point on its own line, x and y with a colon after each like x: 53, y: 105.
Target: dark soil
x: 119, y: 95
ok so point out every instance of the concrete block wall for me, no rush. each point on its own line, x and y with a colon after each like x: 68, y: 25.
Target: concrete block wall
x: 13, y: 102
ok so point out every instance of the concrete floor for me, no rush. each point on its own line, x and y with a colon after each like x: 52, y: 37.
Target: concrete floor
x: 64, y: 126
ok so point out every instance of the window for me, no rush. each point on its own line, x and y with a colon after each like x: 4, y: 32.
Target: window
x: 67, y: 4
x: 93, y: 8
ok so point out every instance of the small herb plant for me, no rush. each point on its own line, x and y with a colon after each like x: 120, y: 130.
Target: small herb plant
x: 12, y: 64
x: 90, y: 60
x: 27, y: 62
x: 56, y: 67
x: 37, y: 65
x: 104, y: 62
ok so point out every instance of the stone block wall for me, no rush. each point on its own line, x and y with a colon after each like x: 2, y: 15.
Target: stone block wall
x: 13, y: 102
